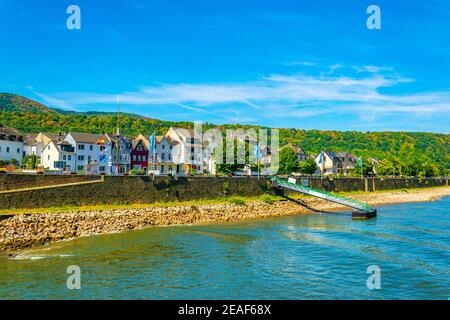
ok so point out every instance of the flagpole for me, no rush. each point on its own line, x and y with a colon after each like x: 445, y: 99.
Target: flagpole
x: 362, y: 173
x: 322, y: 162
x: 154, y: 154
x: 257, y: 163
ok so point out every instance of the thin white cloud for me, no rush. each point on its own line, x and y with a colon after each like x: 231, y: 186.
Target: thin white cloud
x: 302, y: 63
x: 293, y: 96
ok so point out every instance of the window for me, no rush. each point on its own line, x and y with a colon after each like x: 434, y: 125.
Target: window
x: 7, y: 149
x: 170, y: 156
x: 102, y: 168
x: 80, y: 168
x: 69, y: 157
x: 64, y: 157
x: 48, y: 157
x: 80, y: 158
x: 102, y: 148
x: 162, y: 156
x: 139, y: 158
x: 18, y: 150
x: 134, y: 157
x: 163, y: 147
x: 144, y: 158
x: 89, y: 158
x: 81, y: 147
x: 91, y: 147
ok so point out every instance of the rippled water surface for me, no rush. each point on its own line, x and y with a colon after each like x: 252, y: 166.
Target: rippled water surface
x: 317, y: 256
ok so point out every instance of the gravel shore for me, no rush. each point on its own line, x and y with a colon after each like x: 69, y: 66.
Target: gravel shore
x: 30, y: 230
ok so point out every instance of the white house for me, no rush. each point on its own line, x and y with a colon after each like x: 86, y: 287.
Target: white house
x: 35, y: 143
x: 87, y: 151
x: 11, y: 144
x: 189, y: 149
x: 59, y: 155
x: 330, y: 162
x: 166, y: 158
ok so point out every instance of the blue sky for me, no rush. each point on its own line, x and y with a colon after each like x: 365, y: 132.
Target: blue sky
x: 302, y: 64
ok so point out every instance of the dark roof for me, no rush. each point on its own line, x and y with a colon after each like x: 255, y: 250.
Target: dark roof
x: 333, y: 155
x: 10, y: 134
x: 296, y: 149
x: 346, y: 154
x: 85, y: 137
x: 54, y: 136
x: 30, y: 139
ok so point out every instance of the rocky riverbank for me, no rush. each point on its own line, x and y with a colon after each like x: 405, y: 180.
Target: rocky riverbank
x: 30, y: 230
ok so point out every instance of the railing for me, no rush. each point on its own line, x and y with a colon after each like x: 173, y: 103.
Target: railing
x: 321, y: 194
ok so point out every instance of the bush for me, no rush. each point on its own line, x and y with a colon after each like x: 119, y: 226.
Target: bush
x: 267, y: 199
x: 237, y: 201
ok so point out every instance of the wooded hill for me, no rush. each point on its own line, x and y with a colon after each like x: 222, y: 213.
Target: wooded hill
x: 28, y: 116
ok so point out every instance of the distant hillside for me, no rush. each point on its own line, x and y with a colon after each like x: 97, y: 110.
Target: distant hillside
x: 14, y: 103
x: 29, y: 116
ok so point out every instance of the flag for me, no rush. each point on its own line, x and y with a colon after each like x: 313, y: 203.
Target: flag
x: 321, y: 158
x: 360, y: 161
x: 152, y: 143
x: 103, y: 154
x: 257, y: 152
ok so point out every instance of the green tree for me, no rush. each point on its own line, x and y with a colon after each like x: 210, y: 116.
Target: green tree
x: 33, y: 162
x: 386, y: 168
x: 308, y: 166
x: 367, y: 168
x: 288, y: 161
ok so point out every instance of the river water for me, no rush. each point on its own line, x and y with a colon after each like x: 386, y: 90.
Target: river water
x: 317, y: 256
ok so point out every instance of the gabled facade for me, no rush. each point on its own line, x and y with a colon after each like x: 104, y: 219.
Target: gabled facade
x: 59, y: 156
x: 166, y: 156
x: 35, y: 143
x: 189, y: 149
x: 87, y: 151
x: 140, y: 153
x: 115, y: 153
x: 11, y: 145
x: 330, y: 162
x: 348, y: 162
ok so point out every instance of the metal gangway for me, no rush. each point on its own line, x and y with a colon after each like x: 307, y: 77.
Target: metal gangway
x: 363, y: 209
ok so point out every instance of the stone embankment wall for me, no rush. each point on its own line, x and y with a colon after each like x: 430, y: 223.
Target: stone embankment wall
x: 143, y: 189
x: 23, y: 181
x: 130, y: 189
x: 374, y: 184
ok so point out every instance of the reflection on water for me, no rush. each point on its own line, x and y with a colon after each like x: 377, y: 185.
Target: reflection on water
x: 300, y: 257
